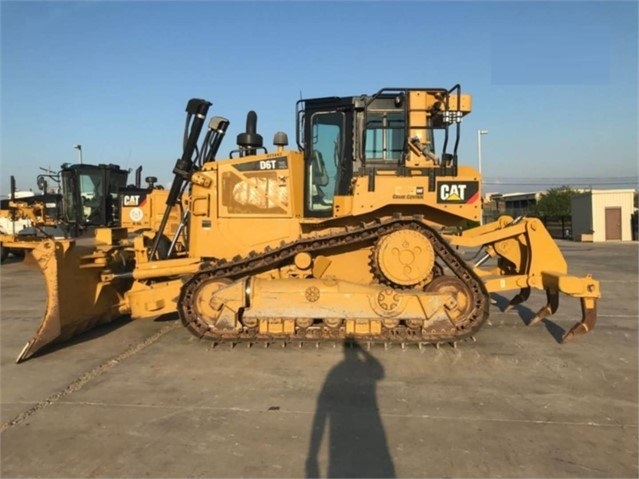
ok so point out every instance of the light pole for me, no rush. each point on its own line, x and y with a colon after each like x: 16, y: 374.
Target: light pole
x: 79, y: 148
x: 479, y: 134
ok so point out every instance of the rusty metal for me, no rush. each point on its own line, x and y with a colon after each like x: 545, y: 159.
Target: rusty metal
x: 588, y: 320
x: 549, y: 309
x: 519, y: 298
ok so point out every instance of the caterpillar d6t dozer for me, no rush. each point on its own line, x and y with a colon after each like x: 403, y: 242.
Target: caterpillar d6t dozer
x: 355, y: 234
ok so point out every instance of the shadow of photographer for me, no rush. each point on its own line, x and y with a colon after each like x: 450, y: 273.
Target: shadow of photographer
x: 347, y: 409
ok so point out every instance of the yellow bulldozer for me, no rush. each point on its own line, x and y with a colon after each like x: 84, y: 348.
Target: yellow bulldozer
x: 354, y: 234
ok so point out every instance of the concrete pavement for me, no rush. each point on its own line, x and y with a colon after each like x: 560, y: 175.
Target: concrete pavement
x: 146, y: 399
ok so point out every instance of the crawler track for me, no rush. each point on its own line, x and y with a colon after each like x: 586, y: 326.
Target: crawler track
x: 316, y: 331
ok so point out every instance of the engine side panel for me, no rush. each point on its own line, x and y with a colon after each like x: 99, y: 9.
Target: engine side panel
x: 246, y: 204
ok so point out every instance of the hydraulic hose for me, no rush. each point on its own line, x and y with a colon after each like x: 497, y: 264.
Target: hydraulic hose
x: 196, y: 114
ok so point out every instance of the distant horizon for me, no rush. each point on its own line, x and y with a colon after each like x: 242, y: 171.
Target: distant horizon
x: 554, y: 84
x: 512, y: 188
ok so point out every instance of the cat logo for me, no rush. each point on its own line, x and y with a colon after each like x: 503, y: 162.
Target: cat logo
x: 453, y: 192
x: 457, y: 192
x: 131, y: 200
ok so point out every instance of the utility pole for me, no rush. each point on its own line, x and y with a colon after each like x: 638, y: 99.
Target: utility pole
x: 479, y: 135
x: 79, y: 148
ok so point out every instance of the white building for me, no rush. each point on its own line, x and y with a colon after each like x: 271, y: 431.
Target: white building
x: 602, y: 215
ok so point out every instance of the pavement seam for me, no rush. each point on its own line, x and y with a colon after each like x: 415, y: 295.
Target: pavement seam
x: 90, y: 375
x: 237, y: 409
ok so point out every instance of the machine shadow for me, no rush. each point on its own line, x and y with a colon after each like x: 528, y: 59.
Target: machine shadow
x: 526, y: 315
x: 99, y: 331
x: 348, y: 413
x: 167, y: 318
x: 556, y: 331
x: 89, y: 335
x: 12, y: 259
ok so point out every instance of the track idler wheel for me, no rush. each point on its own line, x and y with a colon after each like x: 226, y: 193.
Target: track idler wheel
x: 207, y: 312
x: 460, y: 292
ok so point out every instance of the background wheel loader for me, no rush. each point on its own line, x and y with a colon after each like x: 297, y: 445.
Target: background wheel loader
x: 354, y: 234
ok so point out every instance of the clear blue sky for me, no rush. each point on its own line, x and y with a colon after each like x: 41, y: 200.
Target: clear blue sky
x: 554, y: 83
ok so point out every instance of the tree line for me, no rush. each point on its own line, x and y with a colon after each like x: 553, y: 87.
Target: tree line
x: 554, y: 204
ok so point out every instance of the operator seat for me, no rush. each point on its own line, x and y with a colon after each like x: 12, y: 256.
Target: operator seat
x: 319, y: 175
x: 319, y: 178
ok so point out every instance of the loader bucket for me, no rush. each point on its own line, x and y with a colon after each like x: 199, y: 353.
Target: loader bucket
x: 77, y: 299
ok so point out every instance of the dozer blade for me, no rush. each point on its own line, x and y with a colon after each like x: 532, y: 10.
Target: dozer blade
x: 77, y: 300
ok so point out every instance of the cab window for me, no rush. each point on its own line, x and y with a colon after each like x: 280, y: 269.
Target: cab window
x: 91, y: 189
x: 322, y: 163
x: 385, y: 136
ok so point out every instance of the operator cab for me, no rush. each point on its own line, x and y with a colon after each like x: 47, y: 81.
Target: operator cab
x: 90, y: 194
x: 357, y: 136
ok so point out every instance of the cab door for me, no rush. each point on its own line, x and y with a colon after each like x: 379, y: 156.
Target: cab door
x: 328, y: 155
